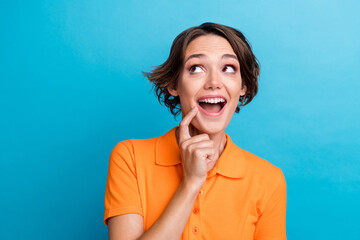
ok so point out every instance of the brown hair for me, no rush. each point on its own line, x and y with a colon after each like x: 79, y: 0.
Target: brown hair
x: 167, y: 74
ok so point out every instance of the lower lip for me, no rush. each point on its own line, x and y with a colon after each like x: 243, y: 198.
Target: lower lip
x: 212, y: 114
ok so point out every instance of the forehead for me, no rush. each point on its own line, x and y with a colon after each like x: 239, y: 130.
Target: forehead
x: 209, y: 44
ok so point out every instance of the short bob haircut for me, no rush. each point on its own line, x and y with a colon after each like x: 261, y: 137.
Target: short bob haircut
x: 167, y: 74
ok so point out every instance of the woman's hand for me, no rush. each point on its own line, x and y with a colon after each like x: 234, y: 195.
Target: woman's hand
x: 196, y: 151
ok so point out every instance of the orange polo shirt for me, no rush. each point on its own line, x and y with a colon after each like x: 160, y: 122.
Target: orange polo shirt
x: 244, y: 196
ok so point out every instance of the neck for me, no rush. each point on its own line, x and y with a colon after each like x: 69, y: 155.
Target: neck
x: 219, y: 143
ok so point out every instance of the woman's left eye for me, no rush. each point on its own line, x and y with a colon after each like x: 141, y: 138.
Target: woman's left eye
x: 229, y: 68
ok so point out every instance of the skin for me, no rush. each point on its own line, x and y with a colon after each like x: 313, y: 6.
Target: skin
x: 201, y: 138
x: 215, y: 72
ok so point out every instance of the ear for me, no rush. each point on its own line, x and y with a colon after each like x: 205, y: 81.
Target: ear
x: 173, y: 91
x: 243, y: 90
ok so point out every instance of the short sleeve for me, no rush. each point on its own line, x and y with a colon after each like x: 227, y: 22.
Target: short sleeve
x: 122, y: 192
x: 272, y: 222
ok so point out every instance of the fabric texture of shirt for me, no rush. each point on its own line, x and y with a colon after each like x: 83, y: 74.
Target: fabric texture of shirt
x: 244, y: 196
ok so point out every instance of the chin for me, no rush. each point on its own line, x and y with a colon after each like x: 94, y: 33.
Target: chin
x: 209, y: 128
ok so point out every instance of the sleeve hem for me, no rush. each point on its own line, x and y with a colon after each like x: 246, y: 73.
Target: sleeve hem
x: 121, y: 211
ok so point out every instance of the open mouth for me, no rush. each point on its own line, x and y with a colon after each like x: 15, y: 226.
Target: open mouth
x: 212, y: 105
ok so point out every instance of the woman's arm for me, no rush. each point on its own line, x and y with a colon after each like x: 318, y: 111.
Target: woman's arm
x: 171, y: 223
x: 126, y: 226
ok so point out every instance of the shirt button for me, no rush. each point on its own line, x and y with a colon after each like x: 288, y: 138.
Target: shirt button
x: 196, y: 211
x: 201, y: 192
x: 195, y: 230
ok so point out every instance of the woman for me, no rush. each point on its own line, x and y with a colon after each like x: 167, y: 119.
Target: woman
x: 194, y: 182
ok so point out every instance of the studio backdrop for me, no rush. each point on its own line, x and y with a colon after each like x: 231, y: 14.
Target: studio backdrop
x: 71, y: 88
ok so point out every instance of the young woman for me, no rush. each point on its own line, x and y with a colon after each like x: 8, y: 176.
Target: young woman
x: 194, y: 182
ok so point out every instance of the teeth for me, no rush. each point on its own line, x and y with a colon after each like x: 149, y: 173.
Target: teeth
x: 212, y: 100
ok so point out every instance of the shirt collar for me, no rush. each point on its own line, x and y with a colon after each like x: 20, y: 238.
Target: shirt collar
x: 230, y: 164
x: 167, y: 152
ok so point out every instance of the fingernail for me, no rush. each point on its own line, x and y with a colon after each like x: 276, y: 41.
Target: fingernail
x: 194, y: 109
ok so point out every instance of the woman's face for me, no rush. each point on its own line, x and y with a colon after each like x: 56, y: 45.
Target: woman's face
x: 210, y: 80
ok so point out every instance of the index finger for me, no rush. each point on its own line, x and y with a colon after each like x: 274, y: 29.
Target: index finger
x: 184, y: 133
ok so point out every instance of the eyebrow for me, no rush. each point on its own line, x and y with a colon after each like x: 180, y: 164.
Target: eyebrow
x: 200, y: 55
x: 230, y: 56
x: 195, y: 56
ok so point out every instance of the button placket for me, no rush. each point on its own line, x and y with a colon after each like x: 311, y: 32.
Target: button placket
x: 195, y: 223
x: 195, y: 230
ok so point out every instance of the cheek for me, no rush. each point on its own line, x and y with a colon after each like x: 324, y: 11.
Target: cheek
x: 185, y: 97
x: 236, y: 97
x: 187, y: 90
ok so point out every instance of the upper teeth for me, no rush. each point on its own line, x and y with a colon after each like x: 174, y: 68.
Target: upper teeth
x: 212, y: 100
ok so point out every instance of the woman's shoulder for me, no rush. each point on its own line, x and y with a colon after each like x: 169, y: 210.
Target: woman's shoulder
x: 243, y: 163
x: 132, y: 145
x: 266, y: 176
x: 147, y: 144
x: 260, y: 166
x: 131, y: 151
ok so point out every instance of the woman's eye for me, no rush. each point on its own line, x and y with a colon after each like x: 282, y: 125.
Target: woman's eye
x: 229, y: 68
x: 195, y: 69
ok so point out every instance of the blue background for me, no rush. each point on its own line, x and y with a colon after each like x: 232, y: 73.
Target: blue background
x: 71, y: 88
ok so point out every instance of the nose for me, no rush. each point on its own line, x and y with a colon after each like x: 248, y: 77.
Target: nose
x: 213, y: 81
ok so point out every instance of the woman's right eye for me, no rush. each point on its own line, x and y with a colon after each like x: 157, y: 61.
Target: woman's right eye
x: 195, y: 69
